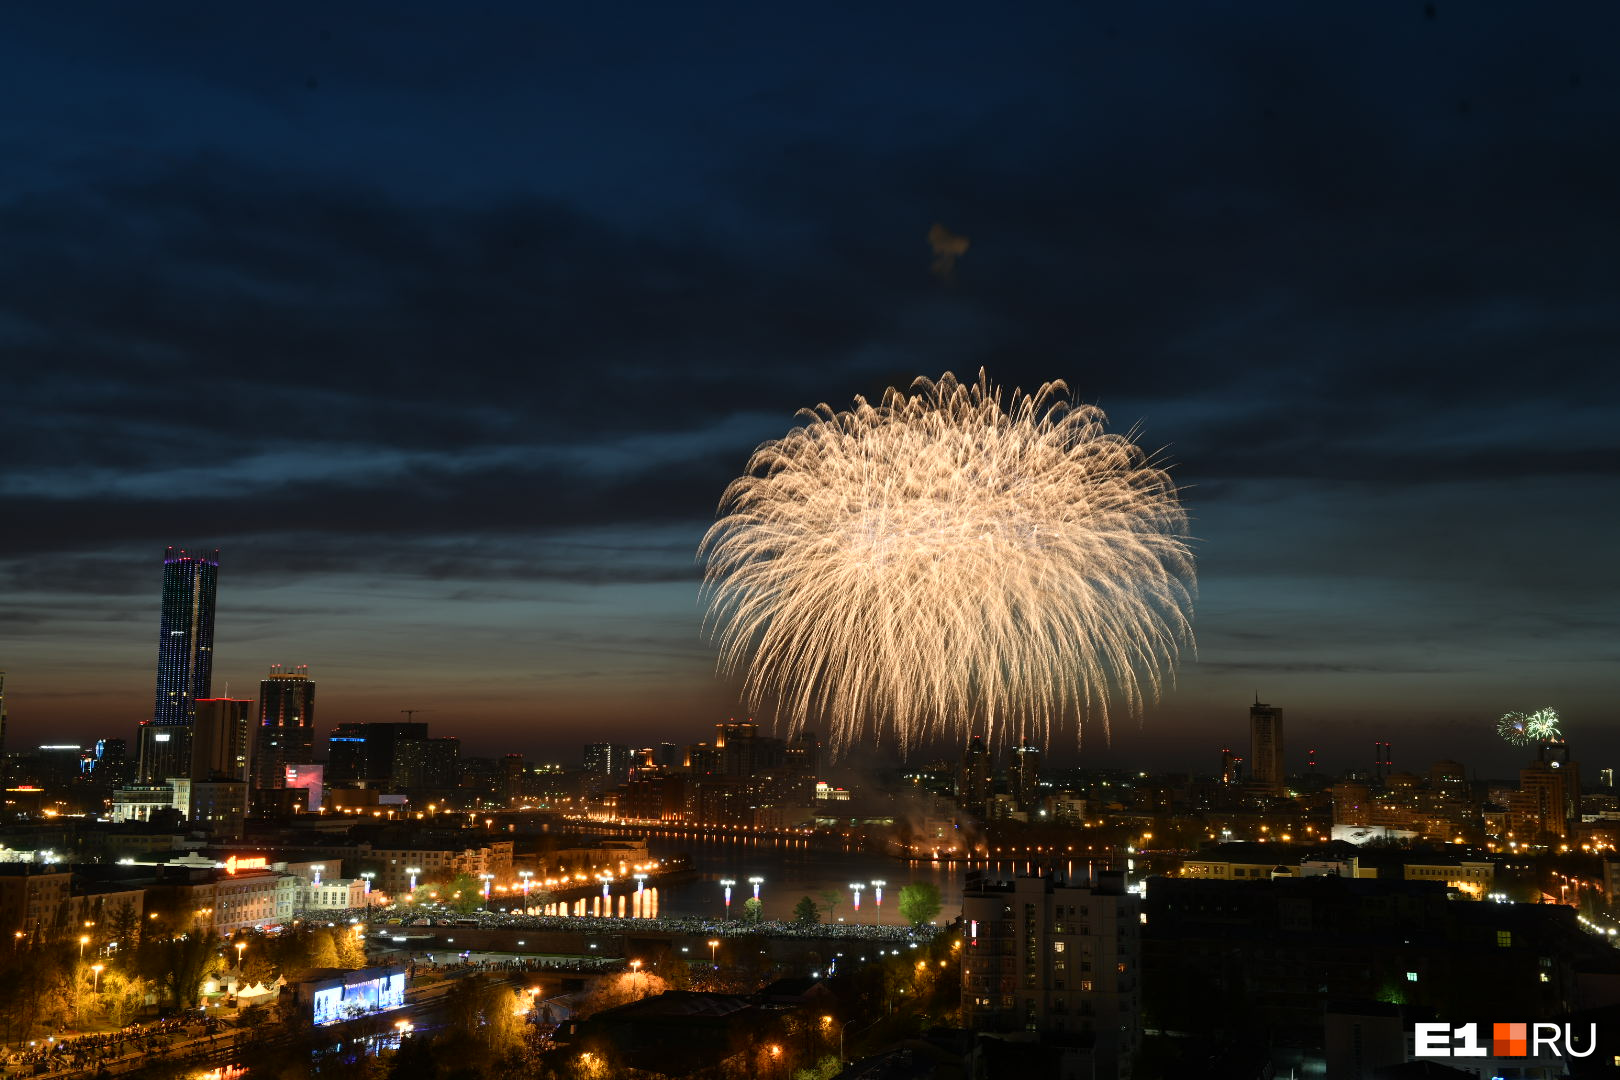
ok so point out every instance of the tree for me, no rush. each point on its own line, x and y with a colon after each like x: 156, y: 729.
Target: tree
x: 829, y: 901
x: 752, y: 909
x: 805, y: 911
x: 486, y: 1017
x: 464, y: 893
x: 323, y: 951
x: 920, y: 903
x: 351, y: 948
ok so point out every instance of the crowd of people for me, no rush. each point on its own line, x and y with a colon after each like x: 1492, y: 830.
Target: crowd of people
x: 497, y: 920
x: 106, y: 1051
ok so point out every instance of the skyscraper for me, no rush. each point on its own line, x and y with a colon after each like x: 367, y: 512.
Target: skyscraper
x: 222, y: 738
x: 1266, y: 745
x: 975, y: 778
x: 286, y: 725
x: 185, y: 663
x: 2, y: 716
x: 1024, y: 775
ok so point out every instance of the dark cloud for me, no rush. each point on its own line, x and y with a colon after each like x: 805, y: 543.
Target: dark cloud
x: 352, y: 334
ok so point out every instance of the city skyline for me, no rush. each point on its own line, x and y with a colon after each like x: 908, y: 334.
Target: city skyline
x: 456, y: 377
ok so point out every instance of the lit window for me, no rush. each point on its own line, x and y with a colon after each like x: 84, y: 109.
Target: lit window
x: 1411, y: 976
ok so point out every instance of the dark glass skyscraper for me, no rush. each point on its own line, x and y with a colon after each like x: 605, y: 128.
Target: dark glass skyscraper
x: 286, y: 733
x: 185, y: 663
x: 186, y: 642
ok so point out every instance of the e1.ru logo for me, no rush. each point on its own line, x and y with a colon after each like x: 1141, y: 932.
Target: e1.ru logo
x: 1507, y: 1040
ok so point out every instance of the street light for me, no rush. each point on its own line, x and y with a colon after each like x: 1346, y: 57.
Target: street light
x: 714, y: 944
x: 487, y: 878
x: 525, y: 875
x: 240, y: 945
x: 98, y: 969
x: 728, y: 883
x: 318, y: 868
x: 83, y: 941
x: 856, y: 887
x: 877, y: 889
x: 413, y: 871
x: 756, y: 882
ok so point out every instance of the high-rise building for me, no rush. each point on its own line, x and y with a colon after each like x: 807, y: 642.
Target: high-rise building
x: 365, y: 753
x: 286, y: 725
x: 164, y: 752
x: 976, y: 777
x: 1052, y: 958
x: 185, y: 663
x: 607, y: 761
x: 1536, y: 812
x: 1025, y: 775
x: 1266, y: 766
x: 222, y: 740
x: 423, y: 763
x: 2, y: 716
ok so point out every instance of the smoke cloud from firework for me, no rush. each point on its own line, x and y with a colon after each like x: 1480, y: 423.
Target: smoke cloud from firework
x: 950, y: 560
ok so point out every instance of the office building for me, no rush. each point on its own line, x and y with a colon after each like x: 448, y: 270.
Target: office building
x: 1055, y: 958
x: 185, y: 662
x: 222, y: 740
x: 364, y: 753
x: 1025, y: 776
x: 975, y: 778
x: 286, y: 724
x: 607, y: 761
x: 425, y: 764
x: 1538, y: 811
x: 1266, y: 768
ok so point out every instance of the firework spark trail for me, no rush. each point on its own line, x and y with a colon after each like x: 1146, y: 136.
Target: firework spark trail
x: 954, y: 558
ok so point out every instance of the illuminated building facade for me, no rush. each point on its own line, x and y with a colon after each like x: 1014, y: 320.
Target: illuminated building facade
x: 1054, y: 958
x: 286, y: 724
x: 185, y: 663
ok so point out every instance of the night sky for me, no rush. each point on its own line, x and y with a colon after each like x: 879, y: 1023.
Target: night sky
x: 450, y: 329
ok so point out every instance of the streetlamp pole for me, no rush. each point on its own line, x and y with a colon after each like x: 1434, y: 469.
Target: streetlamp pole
x: 727, y: 883
x: 413, y: 871
x: 84, y: 939
x: 877, y: 889
x: 367, y: 875
x: 714, y: 943
x: 487, y: 879
x: 856, y: 887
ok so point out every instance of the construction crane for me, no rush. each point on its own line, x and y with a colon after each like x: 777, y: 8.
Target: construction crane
x: 410, y: 714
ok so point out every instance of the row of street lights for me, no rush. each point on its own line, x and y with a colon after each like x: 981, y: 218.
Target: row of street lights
x: 856, y: 887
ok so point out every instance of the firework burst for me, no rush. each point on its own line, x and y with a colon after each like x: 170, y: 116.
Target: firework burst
x: 1522, y: 729
x: 947, y: 560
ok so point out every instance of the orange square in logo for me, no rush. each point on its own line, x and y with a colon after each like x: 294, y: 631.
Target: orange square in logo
x: 1510, y: 1040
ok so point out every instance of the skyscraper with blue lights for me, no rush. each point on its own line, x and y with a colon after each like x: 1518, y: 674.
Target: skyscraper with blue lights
x: 185, y: 663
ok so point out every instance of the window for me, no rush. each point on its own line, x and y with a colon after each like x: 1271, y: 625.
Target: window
x: 1057, y: 946
x: 1411, y: 976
